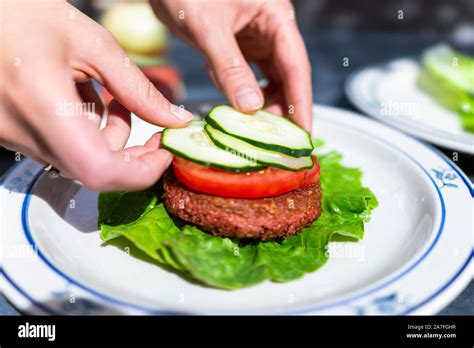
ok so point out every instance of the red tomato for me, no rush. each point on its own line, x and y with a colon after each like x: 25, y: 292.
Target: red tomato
x: 257, y: 184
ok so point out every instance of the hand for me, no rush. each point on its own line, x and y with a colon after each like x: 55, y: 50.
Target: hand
x: 50, y: 110
x: 231, y: 34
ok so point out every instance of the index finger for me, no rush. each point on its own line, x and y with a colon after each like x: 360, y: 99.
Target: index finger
x: 110, y: 65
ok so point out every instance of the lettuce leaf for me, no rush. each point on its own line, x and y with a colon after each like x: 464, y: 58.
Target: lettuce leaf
x: 228, y: 263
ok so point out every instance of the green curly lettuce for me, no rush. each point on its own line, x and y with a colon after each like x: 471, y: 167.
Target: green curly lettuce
x: 227, y: 263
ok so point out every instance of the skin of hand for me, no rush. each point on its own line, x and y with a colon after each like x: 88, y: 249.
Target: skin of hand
x: 231, y: 34
x: 50, y: 53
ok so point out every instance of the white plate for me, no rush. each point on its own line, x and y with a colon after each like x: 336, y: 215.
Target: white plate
x: 415, y: 257
x: 389, y: 93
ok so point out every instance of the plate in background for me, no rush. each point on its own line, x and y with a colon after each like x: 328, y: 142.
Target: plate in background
x: 389, y: 93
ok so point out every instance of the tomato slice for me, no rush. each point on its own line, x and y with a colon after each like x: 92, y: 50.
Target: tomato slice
x: 268, y: 182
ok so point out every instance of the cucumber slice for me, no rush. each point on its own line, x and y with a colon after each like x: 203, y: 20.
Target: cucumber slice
x: 452, y: 66
x: 194, y: 144
x: 262, y: 129
x: 448, y: 76
x: 266, y: 157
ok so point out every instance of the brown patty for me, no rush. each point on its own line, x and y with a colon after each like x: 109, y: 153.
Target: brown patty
x: 263, y: 218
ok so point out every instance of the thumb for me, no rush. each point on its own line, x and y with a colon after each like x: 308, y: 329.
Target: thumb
x: 233, y: 74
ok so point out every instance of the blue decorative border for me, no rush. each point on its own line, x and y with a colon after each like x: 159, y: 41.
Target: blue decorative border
x: 30, y: 239
x: 444, y: 287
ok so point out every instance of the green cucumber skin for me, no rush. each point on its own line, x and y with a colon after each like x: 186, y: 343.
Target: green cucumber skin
x: 272, y: 147
x: 229, y: 169
x: 276, y: 165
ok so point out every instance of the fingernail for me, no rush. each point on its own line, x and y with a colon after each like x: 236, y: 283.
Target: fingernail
x: 181, y: 113
x: 248, y: 99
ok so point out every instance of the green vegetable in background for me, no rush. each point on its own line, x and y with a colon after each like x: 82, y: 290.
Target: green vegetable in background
x: 448, y: 76
x: 228, y: 263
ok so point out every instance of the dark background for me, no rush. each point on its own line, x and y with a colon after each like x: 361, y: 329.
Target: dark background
x: 365, y: 31
x: 421, y: 16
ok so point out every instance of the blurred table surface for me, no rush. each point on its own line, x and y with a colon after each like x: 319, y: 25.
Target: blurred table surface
x: 327, y: 51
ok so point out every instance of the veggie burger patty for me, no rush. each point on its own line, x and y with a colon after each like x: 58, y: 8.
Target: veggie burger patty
x: 262, y: 218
